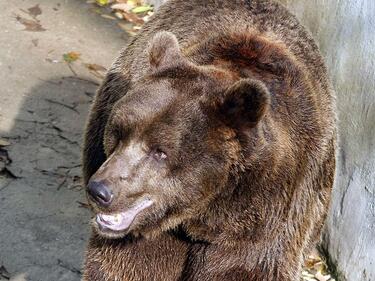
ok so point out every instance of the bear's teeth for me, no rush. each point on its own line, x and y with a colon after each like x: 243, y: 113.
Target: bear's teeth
x: 114, y: 219
x: 117, y: 218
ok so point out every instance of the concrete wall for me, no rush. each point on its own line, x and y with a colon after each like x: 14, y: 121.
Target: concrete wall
x: 345, y: 31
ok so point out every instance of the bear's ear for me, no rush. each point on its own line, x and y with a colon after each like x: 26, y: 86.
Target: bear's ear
x: 164, y: 50
x: 244, y: 104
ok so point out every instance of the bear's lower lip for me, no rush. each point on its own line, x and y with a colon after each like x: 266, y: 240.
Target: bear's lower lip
x: 121, y: 221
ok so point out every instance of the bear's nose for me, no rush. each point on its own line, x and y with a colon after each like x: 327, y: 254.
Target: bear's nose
x: 101, y: 194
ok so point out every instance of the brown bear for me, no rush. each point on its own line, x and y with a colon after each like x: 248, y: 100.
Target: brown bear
x: 210, y: 149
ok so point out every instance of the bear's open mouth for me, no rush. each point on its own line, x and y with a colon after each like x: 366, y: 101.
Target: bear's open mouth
x: 121, y: 221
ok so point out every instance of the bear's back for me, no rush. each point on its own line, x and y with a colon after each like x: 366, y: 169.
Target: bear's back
x: 195, y: 21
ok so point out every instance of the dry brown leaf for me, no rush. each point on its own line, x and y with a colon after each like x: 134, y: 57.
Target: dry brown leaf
x: 95, y: 67
x: 34, y: 11
x: 310, y: 263
x: 132, y: 18
x: 35, y: 42
x: 83, y: 205
x: 30, y: 25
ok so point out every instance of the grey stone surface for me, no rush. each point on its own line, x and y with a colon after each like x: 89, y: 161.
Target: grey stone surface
x: 43, y: 107
x: 345, y: 31
x: 156, y: 3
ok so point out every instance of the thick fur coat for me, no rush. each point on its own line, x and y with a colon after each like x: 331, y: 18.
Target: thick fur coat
x: 217, y: 128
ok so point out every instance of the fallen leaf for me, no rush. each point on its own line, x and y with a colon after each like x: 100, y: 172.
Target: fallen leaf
x: 71, y: 57
x: 4, y: 142
x: 322, y: 277
x: 35, y: 11
x: 35, y: 42
x: 122, y: 7
x: 142, y: 9
x: 119, y: 15
x: 30, y: 25
x: 147, y: 17
x: 95, y: 67
x: 134, y: 2
x: 102, y: 2
x: 307, y: 274
x: 133, y: 18
x: 108, y: 17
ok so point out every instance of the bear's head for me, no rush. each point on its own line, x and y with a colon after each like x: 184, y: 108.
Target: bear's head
x: 174, y: 142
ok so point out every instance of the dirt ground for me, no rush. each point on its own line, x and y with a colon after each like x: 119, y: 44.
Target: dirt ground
x: 43, y: 107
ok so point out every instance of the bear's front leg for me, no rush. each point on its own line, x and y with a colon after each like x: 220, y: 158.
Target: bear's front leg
x: 220, y: 263
x: 160, y: 259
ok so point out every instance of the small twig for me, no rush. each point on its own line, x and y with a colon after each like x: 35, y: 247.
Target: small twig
x: 72, y: 70
x: 83, y: 205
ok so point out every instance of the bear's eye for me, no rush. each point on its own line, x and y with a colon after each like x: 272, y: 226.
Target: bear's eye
x: 159, y: 155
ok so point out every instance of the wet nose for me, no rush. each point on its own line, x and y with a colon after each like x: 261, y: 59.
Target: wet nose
x: 100, y: 193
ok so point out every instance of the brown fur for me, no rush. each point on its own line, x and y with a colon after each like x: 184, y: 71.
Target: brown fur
x: 239, y: 100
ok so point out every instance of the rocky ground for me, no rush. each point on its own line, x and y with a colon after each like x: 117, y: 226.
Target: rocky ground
x: 44, y: 100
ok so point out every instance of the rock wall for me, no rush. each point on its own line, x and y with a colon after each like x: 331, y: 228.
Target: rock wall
x: 345, y: 31
x: 156, y: 3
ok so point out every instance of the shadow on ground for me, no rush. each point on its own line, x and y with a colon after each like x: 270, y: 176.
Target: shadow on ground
x: 43, y: 108
x: 44, y: 222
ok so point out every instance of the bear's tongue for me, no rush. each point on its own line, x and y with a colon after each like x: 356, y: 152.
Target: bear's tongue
x: 123, y: 220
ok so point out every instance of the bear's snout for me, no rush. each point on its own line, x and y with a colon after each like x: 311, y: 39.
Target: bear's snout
x: 100, y: 193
